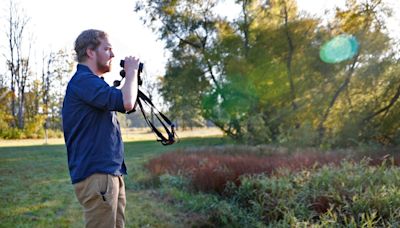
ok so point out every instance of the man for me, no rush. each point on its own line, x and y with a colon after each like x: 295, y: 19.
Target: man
x: 92, y: 133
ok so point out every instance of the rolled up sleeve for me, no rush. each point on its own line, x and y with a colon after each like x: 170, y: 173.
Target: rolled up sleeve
x: 97, y: 93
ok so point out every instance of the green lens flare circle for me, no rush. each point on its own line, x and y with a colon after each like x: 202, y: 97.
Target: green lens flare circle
x: 338, y: 49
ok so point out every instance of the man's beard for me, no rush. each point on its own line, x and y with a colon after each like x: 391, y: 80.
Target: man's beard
x: 104, y: 67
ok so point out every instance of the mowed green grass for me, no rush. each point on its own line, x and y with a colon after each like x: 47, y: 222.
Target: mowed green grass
x: 35, y: 187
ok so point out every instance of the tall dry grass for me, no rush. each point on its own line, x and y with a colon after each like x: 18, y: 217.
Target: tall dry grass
x: 211, y: 168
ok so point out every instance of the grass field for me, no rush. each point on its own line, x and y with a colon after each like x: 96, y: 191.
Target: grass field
x: 36, y: 189
x: 304, y: 188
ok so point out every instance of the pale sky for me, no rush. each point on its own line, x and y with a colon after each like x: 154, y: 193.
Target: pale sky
x: 56, y: 24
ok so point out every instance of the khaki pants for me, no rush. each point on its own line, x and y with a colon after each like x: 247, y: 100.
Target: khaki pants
x: 103, y: 199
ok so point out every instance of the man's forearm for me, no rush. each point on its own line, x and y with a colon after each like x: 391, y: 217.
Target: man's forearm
x: 130, y: 88
x: 129, y: 91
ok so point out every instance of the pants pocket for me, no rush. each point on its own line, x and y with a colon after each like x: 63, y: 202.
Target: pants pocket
x: 105, y: 188
x: 96, y: 190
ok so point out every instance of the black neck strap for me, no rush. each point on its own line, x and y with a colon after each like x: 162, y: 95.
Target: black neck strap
x: 170, y: 139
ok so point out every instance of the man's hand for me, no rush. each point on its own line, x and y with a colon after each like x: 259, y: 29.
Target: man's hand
x: 130, y: 88
x: 131, y: 64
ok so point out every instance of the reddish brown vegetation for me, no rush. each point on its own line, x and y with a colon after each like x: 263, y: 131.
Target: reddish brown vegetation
x: 211, y: 169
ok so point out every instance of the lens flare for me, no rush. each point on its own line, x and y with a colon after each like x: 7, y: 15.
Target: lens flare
x: 338, y: 49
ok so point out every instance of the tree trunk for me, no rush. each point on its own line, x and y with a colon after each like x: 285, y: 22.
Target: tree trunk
x: 289, y: 58
x: 343, y: 86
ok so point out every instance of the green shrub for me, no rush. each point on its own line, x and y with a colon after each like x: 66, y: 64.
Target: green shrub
x: 303, y: 136
x: 52, y: 133
x: 167, y: 180
x: 12, y: 133
x: 354, y: 195
x: 255, y: 130
x: 34, y: 128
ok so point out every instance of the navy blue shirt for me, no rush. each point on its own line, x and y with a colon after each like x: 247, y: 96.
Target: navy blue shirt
x: 91, y: 129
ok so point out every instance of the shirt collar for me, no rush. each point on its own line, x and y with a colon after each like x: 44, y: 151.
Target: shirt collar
x: 82, y: 67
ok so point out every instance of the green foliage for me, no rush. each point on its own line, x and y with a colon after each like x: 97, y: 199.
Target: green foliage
x: 257, y: 130
x: 229, y: 107
x: 184, y: 82
x: 34, y: 129
x: 3, y: 124
x: 12, y: 133
x: 167, y: 180
x: 355, y: 195
x: 259, y: 77
x: 303, y: 136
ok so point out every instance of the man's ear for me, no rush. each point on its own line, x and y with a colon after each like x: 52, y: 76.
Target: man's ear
x: 90, y: 53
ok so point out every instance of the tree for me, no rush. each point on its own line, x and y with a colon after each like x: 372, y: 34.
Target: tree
x: 263, y: 78
x: 182, y: 85
x: 188, y: 25
x: 57, y: 69
x: 364, y: 20
x: 229, y: 55
x: 18, y: 61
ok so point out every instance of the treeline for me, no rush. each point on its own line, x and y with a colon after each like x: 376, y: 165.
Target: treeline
x: 260, y: 79
x: 30, y: 98
x: 30, y: 105
x: 32, y: 91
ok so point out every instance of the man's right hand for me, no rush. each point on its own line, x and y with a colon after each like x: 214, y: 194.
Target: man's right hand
x: 130, y: 88
x: 131, y: 64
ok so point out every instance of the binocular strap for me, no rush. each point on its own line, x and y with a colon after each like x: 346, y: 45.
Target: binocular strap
x: 161, y: 118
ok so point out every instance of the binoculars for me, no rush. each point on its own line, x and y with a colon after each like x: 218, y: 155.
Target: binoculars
x: 122, y: 73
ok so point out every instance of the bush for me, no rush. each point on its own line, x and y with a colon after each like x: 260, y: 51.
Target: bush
x: 12, y: 133
x: 34, y: 128
x: 260, y: 188
x: 255, y: 130
x: 51, y: 133
x: 354, y: 195
x: 304, y: 136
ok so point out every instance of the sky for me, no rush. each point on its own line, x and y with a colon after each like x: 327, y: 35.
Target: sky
x: 56, y: 24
